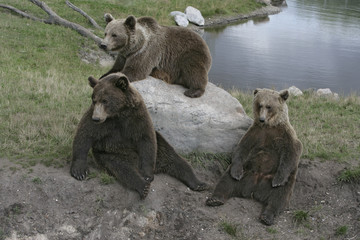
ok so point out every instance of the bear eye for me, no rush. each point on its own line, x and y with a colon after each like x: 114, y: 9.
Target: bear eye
x: 260, y: 106
x: 104, y: 101
x: 268, y: 107
x: 114, y: 35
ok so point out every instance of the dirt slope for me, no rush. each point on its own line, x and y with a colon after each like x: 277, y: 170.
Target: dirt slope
x: 47, y: 203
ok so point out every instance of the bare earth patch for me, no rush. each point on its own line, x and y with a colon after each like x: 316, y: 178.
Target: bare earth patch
x: 47, y: 203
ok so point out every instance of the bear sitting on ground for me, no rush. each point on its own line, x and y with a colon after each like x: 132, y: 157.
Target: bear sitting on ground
x: 265, y: 162
x: 118, y: 128
x: 146, y: 48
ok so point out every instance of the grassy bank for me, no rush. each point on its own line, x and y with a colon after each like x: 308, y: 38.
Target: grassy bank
x: 44, y: 90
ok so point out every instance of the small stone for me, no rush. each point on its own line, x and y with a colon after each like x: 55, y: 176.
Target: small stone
x: 295, y: 91
x: 181, y: 21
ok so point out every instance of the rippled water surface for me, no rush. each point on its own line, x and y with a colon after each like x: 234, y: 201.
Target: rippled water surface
x: 310, y: 44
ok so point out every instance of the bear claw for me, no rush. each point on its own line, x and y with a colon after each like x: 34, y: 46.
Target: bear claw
x: 267, y: 220
x: 214, y: 202
x: 145, y: 191
x: 200, y: 187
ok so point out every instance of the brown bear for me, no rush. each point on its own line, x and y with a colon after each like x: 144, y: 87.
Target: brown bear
x: 146, y: 48
x: 118, y: 129
x: 265, y: 162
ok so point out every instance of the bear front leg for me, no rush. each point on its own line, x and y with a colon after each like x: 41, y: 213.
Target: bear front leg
x: 82, y: 143
x: 118, y: 66
x: 147, y: 157
x: 286, y: 166
x: 237, y: 161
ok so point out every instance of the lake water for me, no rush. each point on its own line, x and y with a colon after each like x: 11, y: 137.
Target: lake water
x: 310, y: 44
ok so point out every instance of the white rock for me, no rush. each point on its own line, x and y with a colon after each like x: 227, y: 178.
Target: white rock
x: 194, y: 16
x: 177, y: 13
x: 181, y: 21
x: 323, y: 91
x: 215, y: 122
x: 295, y: 91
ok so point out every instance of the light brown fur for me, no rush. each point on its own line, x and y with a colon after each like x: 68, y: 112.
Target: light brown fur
x: 175, y: 54
x: 264, y: 164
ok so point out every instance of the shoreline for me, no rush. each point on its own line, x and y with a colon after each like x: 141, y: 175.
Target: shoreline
x: 226, y: 20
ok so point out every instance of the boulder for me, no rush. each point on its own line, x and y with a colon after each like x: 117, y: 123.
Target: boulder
x: 194, y: 16
x: 295, y: 91
x: 323, y: 91
x: 181, y: 21
x: 213, y: 123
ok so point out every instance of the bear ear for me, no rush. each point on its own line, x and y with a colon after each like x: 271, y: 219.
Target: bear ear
x: 284, y: 94
x: 130, y: 22
x: 108, y: 17
x: 92, y: 81
x: 256, y: 91
x: 122, y: 83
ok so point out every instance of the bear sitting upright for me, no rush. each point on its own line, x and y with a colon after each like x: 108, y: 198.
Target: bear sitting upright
x: 265, y: 163
x: 118, y: 128
x: 146, y: 48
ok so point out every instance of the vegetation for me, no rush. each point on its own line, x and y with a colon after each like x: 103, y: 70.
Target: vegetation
x: 341, y: 231
x: 229, y: 228
x: 44, y: 90
x: 300, y: 216
x: 106, y: 179
x: 350, y: 175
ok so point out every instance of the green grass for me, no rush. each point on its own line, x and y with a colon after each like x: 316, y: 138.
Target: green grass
x: 37, y: 180
x: 341, y: 231
x: 106, y: 179
x: 328, y: 128
x: 350, y: 175
x: 300, y: 216
x: 229, y: 228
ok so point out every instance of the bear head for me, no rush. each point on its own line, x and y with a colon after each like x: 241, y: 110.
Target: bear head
x: 122, y: 35
x: 270, y: 107
x: 112, y: 95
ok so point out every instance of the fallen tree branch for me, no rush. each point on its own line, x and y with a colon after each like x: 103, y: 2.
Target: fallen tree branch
x: 54, y: 19
x: 75, y: 8
x: 21, y: 13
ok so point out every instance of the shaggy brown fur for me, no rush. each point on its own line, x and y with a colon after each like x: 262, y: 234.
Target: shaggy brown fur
x: 118, y: 129
x: 146, y: 48
x: 264, y: 164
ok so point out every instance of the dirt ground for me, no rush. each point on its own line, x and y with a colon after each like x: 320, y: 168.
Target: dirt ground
x: 40, y: 203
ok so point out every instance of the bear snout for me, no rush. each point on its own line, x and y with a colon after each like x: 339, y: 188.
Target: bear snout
x: 262, y: 119
x: 103, y: 46
x: 96, y: 119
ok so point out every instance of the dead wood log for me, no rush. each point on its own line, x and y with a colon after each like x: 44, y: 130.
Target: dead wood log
x: 54, y: 19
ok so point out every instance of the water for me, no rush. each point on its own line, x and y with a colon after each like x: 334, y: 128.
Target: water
x: 310, y: 44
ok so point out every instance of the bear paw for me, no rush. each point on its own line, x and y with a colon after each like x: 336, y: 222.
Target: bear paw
x: 194, y: 93
x: 145, y: 191
x: 267, y: 219
x: 236, y: 172
x: 200, y: 187
x: 278, y: 181
x: 79, y: 172
x: 214, y: 202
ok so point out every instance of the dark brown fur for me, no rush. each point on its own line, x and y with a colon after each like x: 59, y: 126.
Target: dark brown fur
x: 144, y: 46
x: 264, y: 164
x: 118, y: 129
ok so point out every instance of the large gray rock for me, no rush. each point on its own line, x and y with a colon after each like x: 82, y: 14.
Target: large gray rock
x: 194, y: 16
x: 213, y: 123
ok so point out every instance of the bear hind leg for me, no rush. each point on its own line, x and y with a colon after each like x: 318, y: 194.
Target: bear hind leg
x: 127, y: 175
x: 169, y: 162
x: 196, y: 81
x: 223, y: 191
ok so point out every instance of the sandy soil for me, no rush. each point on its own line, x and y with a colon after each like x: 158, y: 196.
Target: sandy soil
x: 47, y: 203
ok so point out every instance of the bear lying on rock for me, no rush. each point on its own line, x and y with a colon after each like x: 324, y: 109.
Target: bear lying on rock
x: 174, y: 54
x: 118, y: 129
x: 265, y: 162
